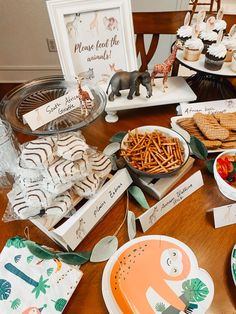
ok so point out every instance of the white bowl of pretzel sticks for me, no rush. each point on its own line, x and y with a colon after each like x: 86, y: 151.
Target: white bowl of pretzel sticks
x: 154, y: 151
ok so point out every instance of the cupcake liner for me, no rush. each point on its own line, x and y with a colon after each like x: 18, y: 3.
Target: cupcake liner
x: 191, y: 55
x: 213, y: 65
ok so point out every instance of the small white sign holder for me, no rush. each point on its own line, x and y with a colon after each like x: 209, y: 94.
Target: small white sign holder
x: 70, y: 233
x: 153, y: 214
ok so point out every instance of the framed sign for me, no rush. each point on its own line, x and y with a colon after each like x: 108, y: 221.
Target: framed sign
x: 94, y: 38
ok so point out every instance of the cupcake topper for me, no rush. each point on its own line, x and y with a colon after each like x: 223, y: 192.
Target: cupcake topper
x: 232, y: 31
x: 195, y: 31
x: 220, y: 14
x: 210, y: 23
x: 201, y: 16
x: 219, y: 37
x: 187, y: 19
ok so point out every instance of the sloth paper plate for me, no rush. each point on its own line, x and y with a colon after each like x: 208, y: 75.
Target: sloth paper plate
x: 156, y: 274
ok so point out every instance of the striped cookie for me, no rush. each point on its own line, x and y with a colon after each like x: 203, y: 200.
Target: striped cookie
x: 37, y: 153
x: 63, y: 171
x: 88, y: 186
x: 100, y: 164
x: 212, y: 144
x: 228, y: 121
x: 71, y: 147
x: 61, y: 204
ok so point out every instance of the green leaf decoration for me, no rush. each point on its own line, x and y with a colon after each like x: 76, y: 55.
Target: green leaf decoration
x: 17, y: 242
x: 60, y: 304
x: 160, y: 307
x: 15, y: 304
x: 131, y: 225
x: 49, y: 271
x: 5, y: 289
x: 138, y: 195
x: 195, y: 290
x: 74, y: 258
x: 39, y: 251
x: 104, y: 249
x: 209, y: 164
x: 29, y: 259
x: 198, y: 148
x: 118, y: 137
x: 17, y: 258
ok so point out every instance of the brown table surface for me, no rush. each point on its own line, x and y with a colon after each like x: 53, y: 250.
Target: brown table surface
x: 188, y: 222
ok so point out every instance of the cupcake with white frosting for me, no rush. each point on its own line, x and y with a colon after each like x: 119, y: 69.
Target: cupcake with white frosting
x: 185, y: 32
x: 208, y: 36
x: 215, y: 55
x: 193, y: 46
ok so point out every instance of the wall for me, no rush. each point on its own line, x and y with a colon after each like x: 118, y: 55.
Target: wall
x: 25, y: 26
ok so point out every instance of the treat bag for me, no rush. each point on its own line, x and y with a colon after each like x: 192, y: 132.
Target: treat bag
x: 31, y: 285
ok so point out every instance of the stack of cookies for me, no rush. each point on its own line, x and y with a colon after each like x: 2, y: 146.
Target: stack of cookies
x: 216, y: 130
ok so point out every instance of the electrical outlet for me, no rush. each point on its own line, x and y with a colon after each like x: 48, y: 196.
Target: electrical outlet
x: 51, y: 45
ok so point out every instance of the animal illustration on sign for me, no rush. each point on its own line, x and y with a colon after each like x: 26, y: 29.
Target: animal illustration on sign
x: 110, y: 23
x: 165, y: 67
x: 94, y: 23
x: 72, y: 26
x: 113, y: 68
x: 129, y: 80
x: 80, y: 231
x: 166, y: 262
x: 34, y: 310
x: 87, y: 75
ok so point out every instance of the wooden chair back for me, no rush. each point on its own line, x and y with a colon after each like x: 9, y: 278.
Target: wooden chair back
x: 155, y: 24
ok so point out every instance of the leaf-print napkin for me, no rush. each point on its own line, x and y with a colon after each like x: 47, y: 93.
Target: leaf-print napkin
x: 31, y: 285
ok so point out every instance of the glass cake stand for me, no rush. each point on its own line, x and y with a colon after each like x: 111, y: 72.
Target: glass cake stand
x: 206, y: 81
x: 33, y: 94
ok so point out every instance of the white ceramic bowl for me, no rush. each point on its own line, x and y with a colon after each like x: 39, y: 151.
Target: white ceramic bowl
x: 226, y: 189
x: 165, y: 131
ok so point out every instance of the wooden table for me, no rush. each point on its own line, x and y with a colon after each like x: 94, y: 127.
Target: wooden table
x: 188, y: 222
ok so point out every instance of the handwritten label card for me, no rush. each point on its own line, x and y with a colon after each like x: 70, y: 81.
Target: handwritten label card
x: 52, y: 110
x: 224, y: 215
x: 152, y: 215
x: 208, y: 107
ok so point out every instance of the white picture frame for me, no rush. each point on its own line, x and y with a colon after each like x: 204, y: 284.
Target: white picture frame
x: 94, y: 38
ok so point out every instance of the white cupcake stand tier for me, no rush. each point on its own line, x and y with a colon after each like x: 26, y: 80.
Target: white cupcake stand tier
x: 178, y: 91
x: 204, y: 81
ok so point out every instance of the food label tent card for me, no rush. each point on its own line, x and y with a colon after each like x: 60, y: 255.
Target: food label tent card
x: 156, y: 274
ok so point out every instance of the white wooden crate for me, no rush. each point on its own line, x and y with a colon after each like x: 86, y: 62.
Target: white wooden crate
x: 70, y: 233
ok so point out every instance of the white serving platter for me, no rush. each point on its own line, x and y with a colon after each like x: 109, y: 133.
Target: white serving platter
x: 199, y: 65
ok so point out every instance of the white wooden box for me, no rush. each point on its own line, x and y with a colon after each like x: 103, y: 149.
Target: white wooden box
x: 70, y: 233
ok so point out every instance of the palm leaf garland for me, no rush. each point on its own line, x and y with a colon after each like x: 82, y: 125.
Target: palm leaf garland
x: 17, y: 242
x: 69, y: 258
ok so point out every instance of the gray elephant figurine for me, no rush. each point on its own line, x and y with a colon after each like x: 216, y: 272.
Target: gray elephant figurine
x: 129, y: 80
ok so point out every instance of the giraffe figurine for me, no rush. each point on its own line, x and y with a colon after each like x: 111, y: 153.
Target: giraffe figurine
x: 83, y: 96
x: 165, y: 67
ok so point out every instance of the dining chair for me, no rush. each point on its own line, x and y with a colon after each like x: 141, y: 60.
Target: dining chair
x: 154, y: 24
x: 208, y: 5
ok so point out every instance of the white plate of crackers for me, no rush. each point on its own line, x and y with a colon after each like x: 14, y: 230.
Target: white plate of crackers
x: 154, y: 151
x: 216, y: 130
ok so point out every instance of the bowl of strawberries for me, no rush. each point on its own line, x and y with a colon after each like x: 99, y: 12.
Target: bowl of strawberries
x: 225, y: 173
